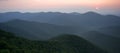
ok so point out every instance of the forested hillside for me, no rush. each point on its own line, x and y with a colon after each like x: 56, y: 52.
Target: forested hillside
x: 61, y: 44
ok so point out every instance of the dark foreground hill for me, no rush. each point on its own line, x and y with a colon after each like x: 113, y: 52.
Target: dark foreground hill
x: 61, y: 44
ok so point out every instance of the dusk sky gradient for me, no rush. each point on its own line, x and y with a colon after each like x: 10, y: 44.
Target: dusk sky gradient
x: 81, y: 6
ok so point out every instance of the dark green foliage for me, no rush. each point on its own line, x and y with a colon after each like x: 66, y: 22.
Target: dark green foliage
x: 3, y: 45
x: 75, y: 44
x: 61, y: 44
x: 4, y: 51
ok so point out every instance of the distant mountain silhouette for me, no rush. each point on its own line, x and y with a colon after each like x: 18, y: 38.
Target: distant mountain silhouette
x: 4, y: 17
x: 91, y: 14
x: 35, y: 30
x: 90, y: 19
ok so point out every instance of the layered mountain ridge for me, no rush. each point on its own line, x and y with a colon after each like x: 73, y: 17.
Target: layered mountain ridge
x: 100, y: 30
x: 12, y: 44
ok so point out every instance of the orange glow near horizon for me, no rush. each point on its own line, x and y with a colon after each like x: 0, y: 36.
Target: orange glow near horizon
x: 57, y: 3
x: 61, y: 5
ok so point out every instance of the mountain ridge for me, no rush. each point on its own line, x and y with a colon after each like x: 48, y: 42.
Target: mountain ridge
x: 35, y: 29
x: 10, y: 43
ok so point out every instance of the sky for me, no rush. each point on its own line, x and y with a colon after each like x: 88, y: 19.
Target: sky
x: 81, y: 6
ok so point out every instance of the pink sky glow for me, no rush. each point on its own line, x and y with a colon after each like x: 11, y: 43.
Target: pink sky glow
x: 52, y: 5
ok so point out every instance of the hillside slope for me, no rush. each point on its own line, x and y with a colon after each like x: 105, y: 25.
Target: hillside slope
x: 64, y: 44
x: 110, y: 43
x: 35, y: 30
